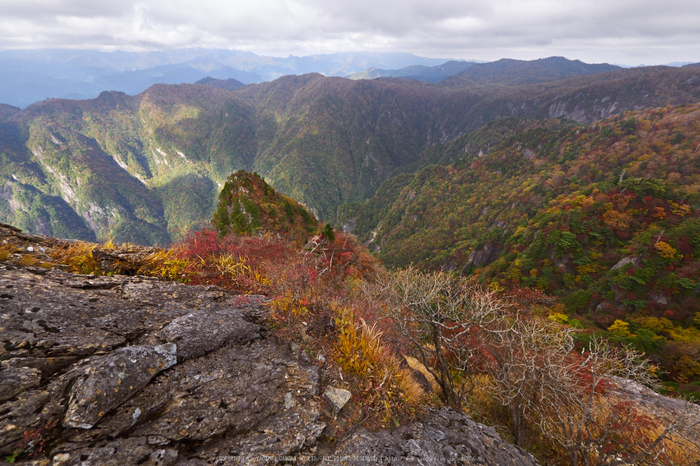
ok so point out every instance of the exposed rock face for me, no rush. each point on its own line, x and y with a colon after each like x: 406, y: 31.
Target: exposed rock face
x: 484, y: 256
x: 635, y: 260
x: 131, y: 370
x: 124, y: 369
x: 446, y: 437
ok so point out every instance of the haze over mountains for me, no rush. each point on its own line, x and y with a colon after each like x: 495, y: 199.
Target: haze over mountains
x: 28, y: 76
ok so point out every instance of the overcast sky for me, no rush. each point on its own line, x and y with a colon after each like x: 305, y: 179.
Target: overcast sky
x: 629, y: 32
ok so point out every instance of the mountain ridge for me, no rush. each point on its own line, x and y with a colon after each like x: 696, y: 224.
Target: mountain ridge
x: 323, y: 141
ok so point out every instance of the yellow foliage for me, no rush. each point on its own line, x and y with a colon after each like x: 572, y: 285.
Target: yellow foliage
x: 558, y: 318
x: 680, y: 210
x: 495, y: 286
x: 229, y: 265
x: 665, y: 250
x: 659, y: 212
x: 688, y: 367
x: 655, y: 324
x: 685, y: 335
x: 620, y: 328
x: 513, y: 272
x: 583, y: 201
x: 291, y: 307
x: 77, y: 255
x: 163, y: 263
x: 615, y: 219
x: 588, y: 268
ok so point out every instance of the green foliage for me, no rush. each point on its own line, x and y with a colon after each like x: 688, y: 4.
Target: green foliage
x: 248, y: 206
x: 526, y: 214
x: 324, y: 141
x: 328, y: 232
x: 577, y: 301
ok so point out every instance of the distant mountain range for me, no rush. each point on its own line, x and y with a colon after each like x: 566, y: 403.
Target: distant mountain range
x: 505, y: 71
x: 516, y: 72
x: 432, y: 74
x: 28, y: 76
x: 147, y: 168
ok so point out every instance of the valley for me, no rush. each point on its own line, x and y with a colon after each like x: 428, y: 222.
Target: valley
x: 146, y: 169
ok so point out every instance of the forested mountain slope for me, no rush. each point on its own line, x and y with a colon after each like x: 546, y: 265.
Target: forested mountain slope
x: 148, y: 168
x: 603, y: 216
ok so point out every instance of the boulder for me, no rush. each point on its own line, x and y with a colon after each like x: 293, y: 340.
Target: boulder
x: 107, y: 381
x: 336, y: 397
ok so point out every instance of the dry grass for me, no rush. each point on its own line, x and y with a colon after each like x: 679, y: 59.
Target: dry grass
x: 30, y: 260
x: 359, y: 346
x: 410, y: 390
x: 360, y: 351
x: 677, y: 449
x: 162, y: 263
x: 415, y: 364
x: 77, y: 255
x: 230, y: 266
x: 6, y: 252
x: 632, y: 431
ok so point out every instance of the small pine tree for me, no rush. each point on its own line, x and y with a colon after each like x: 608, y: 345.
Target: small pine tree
x: 328, y: 232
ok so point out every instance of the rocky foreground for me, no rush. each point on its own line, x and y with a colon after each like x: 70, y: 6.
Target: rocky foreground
x: 99, y: 370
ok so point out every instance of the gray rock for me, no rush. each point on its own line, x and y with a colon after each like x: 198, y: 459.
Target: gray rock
x: 295, y: 349
x: 280, y: 436
x: 336, y: 397
x: 200, y: 332
x: 659, y: 299
x: 634, y: 260
x: 485, y: 255
x: 15, y: 380
x: 231, y: 390
x: 445, y: 438
x: 289, y: 402
x: 115, y: 453
x: 110, y: 380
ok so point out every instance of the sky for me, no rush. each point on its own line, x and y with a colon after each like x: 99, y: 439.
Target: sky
x: 625, y: 32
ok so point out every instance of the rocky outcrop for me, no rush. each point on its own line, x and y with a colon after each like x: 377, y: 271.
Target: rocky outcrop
x: 446, y: 437
x: 483, y: 256
x: 99, y: 370
x: 119, y: 369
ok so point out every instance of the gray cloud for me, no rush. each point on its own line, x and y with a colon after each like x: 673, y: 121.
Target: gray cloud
x: 620, y: 31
